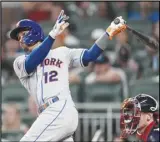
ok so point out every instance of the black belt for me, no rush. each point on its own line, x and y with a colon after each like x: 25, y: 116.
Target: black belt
x: 49, y: 101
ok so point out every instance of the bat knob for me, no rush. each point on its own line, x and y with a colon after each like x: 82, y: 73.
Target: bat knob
x: 116, y: 21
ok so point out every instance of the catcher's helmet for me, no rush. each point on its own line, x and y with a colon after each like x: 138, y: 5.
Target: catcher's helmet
x: 131, y: 112
x: 147, y: 103
x: 34, y: 35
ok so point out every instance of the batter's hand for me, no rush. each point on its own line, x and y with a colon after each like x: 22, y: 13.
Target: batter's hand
x: 117, y: 26
x: 60, y: 25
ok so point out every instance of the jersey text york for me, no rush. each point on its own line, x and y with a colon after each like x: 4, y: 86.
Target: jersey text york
x: 51, y: 62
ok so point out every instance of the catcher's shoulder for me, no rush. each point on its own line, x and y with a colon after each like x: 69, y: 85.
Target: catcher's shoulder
x: 154, y: 134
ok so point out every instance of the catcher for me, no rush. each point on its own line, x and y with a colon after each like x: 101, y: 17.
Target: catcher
x: 140, y: 114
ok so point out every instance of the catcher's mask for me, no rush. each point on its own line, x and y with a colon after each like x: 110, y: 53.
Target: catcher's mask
x: 130, y: 116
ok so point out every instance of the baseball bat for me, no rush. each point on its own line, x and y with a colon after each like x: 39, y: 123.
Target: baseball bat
x: 151, y: 42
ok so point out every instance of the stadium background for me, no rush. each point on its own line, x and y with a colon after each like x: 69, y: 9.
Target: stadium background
x: 97, y: 97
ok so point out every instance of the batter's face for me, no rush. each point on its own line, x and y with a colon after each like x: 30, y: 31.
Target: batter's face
x: 20, y: 39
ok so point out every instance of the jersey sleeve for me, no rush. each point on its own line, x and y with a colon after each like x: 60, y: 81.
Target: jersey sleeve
x: 19, y: 67
x: 75, y: 57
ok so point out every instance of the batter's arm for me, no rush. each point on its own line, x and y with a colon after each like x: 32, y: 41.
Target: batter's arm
x: 95, y: 51
x: 81, y: 57
x: 101, y: 44
x: 38, y: 54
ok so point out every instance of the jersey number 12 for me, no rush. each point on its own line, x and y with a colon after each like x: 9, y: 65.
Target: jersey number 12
x: 50, y: 76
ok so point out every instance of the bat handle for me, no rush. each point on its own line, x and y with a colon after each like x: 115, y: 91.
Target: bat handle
x: 129, y: 28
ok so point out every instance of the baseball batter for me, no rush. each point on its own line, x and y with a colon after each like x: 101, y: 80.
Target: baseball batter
x: 44, y: 73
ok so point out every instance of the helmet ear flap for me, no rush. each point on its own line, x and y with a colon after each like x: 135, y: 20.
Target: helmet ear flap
x: 35, y: 31
x: 28, y: 38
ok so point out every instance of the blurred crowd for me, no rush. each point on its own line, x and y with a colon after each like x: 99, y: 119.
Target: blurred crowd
x: 125, y: 60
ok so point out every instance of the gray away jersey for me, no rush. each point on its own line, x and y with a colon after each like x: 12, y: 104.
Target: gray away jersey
x: 50, y: 77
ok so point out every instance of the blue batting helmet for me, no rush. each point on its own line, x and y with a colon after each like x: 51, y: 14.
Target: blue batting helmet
x: 34, y: 35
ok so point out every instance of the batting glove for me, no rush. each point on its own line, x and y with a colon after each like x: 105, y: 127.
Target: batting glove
x: 117, y: 26
x: 60, y: 25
